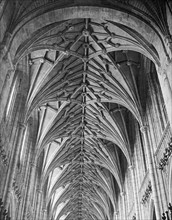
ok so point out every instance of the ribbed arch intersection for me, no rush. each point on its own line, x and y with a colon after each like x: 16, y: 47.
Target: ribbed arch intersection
x: 84, y: 77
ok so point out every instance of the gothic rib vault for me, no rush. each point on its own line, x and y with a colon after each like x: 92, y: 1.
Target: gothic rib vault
x: 80, y: 80
x: 80, y: 83
x: 84, y: 81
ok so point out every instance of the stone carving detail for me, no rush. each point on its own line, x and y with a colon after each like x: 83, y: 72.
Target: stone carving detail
x: 4, y: 215
x: 3, y: 154
x: 164, y: 160
x: 134, y: 217
x: 17, y: 190
x: 167, y: 215
x: 147, y: 193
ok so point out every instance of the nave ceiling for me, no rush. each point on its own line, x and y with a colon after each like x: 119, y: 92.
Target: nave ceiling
x: 82, y: 75
x: 87, y: 88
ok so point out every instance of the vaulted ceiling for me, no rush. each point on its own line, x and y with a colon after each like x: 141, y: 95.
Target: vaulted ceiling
x: 87, y: 91
x: 87, y: 85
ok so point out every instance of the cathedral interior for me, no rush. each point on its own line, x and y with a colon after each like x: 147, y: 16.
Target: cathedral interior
x: 85, y: 109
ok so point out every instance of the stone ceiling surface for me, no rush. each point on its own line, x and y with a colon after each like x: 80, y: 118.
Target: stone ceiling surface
x: 87, y: 87
x: 84, y: 83
x: 147, y: 9
x: 151, y: 12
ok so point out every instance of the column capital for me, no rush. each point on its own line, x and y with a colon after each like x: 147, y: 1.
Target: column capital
x: 143, y: 128
x: 33, y: 164
x: 164, y: 75
x: 30, y: 62
x: 43, y: 107
x: 30, y: 121
x: 8, y: 76
x: 116, y: 212
x: 9, y: 73
x: 163, y: 72
x: 131, y: 167
x: 168, y: 39
x: 122, y: 193
x: 39, y: 190
x: 21, y: 125
x: 42, y: 60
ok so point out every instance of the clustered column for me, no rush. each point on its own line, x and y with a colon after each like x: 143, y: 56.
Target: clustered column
x: 13, y: 167
x: 151, y: 171
x: 123, y: 204
x: 166, y: 91
x: 38, y: 204
x: 136, y: 202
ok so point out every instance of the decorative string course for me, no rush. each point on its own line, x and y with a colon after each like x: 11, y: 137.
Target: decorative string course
x: 166, y: 155
x: 3, y: 154
x: 4, y: 215
x: 147, y: 194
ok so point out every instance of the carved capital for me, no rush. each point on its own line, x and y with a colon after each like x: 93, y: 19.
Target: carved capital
x: 122, y: 193
x: 30, y: 62
x: 43, y: 108
x: 39, y: 191
x: 134, y: 217
x: 33, y: 164
x: 9, y: 73
x: 164, y: 75
x: 8, y: 76
x: 21, y: 125
x: 116, y: 212
x: 131, y: 167
x: 163, y: 72
x: 44, y: 210
x: 143, y: 129
x: 30, y: 121
x: 168, y: 40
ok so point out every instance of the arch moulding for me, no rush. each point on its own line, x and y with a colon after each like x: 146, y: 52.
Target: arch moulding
x: 27, y: 28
